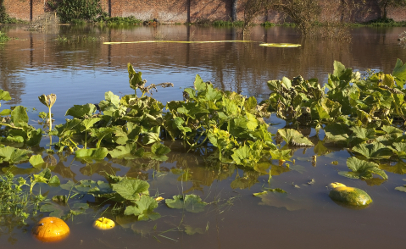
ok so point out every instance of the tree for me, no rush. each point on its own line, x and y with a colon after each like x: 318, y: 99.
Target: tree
x: 384, y: 4
x: 302, y: 12
x: 3, y: 14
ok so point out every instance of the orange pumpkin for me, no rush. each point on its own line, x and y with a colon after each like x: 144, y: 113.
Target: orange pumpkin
x: 51, y: 229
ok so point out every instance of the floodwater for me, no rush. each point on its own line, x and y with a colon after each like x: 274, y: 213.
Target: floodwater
x: 73, y: 63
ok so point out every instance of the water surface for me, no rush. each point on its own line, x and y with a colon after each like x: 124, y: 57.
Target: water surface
x: 81, y: 69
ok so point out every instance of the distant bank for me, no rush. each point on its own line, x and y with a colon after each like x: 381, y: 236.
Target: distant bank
x: 182, y: 11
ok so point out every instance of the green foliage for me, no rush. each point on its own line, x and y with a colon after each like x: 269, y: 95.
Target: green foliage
x: 128, y: 196
x: 3, y: 36
x: 362, y: 169
x: 118, y: 21
x: 72, y: 10
x: 16, y: 204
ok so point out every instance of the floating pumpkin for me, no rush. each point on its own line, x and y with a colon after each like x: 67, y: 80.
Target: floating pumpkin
x: 51, y: 229
x: 104, y: 223
x: 349, y: 195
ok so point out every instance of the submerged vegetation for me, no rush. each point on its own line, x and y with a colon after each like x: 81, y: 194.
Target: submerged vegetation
x: 3, y: 37
x: 364, y: 114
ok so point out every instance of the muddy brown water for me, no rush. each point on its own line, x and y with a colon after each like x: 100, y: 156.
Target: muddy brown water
x: 80, y: 69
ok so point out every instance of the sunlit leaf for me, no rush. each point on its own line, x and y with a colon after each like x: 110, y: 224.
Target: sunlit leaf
x: 131, y: 189
x: 400, y: 72
x: 80, y: 111
x: 4, y: 95
x: 143, y: 208
x: 19, y: 116
x: 36, y: 161
x: 294, y: 137
x: 92, y: 154
x: 362, y: 169
x: 13, y: 155
x: 373, y: 151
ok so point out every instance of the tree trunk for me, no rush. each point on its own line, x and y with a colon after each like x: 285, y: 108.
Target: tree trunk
x: 234, y: 10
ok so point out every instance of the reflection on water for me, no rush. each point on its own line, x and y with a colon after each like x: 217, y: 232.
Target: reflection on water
x: 73, y: 63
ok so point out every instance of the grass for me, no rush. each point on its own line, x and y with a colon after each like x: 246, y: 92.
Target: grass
x: 119, y: 21
x: 220, y: 23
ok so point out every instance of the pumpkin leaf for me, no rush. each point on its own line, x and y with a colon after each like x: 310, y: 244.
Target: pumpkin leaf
x: 143, y: 208
x: 131, y: 189
x: 19, y: 116
x: 281, y: 154
x: 37, y: 161
x: 362, y: 169
x: 159, y: 151
x: 13, y: 155
x: 92, y: 154
x: 4, y: 95
x: 400, y: 149
x: 294, y: 137
x: 400, y: 72
x: 373, y: 151
x: 191, y: 203
x: 81, y: 111
x: 129, y: 151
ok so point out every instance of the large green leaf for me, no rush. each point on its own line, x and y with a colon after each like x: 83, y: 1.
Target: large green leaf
x: 19, y: 116
x: 362, y: 169
x: 337, y: 133
x: 400, y: 149
x: 88, y: 123
x: 92, y: 154
x: 341, y: 72
x: 131, y: 189
x: 373, y: 151
x: 143, y: 208
x: 191, y: 203
x: 13, y: 155
x: 135, y: 78
x: 159, y: 151
x: 36, y: 161
x: 294, y: 137
x: 81, y: 111
x: 280, y: 154
x: 129, y: 151
x: 400, y: 72
x: 4, y: 95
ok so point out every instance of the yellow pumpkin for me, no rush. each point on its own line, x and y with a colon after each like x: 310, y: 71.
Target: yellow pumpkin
x: 51, y: 229
x: 103, y: 223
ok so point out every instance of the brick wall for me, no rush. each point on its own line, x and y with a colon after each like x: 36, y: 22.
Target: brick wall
x: 182, y: 11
